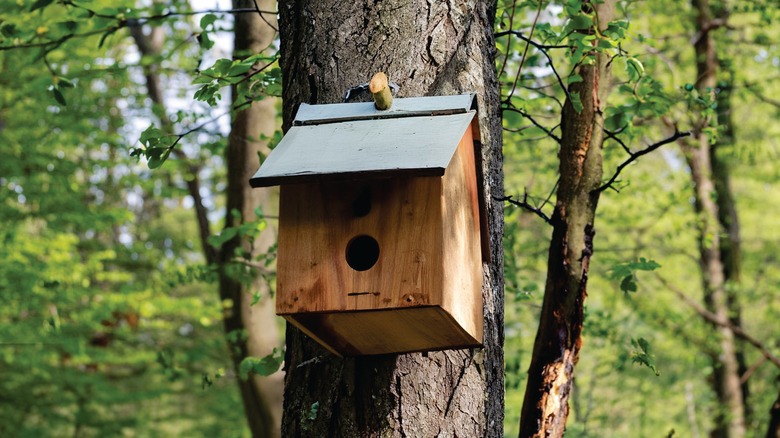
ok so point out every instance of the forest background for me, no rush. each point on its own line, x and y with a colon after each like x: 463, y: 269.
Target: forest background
x: 111, y: 322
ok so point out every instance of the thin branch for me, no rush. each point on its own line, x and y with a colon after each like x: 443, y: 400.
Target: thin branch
x: 525, y: 205
x: 714, y: 319
x: 509, y: 40
x: 525, y: 51
x: 539, y: 46
x: 262, y: 16
x: 753, y: 368
x: 613, y: 136
x: 128, y: 22
x: 552, y: 191
x: 174, y: 13
x: 537, y: 124
x: 635, y: 155
x: 543, y: 49
x: 761, y: 97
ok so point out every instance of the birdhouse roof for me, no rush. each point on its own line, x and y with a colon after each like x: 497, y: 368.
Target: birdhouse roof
x: 416, y: 137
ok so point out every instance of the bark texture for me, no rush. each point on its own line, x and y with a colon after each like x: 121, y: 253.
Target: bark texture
x: 730, y: 419
x: 558, y: 339
x: 262, y: 396
x: 427, y: 48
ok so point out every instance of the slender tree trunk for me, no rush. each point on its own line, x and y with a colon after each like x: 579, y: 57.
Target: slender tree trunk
x: 262, y: 396
x: 558, y: 339
x: 728, y: 218
x: 773, y: 430
x: 730, y: 421
x: 428, y: 48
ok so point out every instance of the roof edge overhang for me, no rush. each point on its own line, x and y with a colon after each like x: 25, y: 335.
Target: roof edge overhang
x: 402, y: 107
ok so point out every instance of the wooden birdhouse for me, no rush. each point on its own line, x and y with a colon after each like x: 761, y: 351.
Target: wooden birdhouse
x: 382, y: 229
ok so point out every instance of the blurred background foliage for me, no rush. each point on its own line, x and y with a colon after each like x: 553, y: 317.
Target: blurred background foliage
x: 110, y: 324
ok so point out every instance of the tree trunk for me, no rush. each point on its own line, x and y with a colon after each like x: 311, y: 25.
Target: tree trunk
x: 262, y: 396
x: 773, y: 430
x: 728, y: 218
x: 427, y: 48
x: 558, y: 339
x: 730, y: 420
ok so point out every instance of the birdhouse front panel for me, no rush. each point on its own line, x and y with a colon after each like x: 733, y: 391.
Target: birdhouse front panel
x: 381, y: 225
x: 359, y: 245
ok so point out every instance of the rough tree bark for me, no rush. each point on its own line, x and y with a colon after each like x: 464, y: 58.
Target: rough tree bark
x: 730, y: 419
x: 558, y: 339
x: 262, y: 396
x: 428, y: 48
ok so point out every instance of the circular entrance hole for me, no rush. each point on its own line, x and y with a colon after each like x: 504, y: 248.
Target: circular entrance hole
x: 362, y: 253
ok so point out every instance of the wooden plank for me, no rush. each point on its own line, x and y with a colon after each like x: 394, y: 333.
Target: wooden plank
x: 317, y: 223
x: 402, y: 107
x: 462, y: 256
x: 364, y: 149
x: 385, y: 331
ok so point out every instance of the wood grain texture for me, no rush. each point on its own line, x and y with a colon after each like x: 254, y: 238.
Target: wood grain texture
x: 428, y: 232
x: 316, y: 224
x: 460, y: 226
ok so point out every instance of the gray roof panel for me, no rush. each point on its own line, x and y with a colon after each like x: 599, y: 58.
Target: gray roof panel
x: 366, y: 147
x: 402, y: 107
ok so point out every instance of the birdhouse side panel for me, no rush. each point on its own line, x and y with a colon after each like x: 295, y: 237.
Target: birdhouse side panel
x: 359, y: 245
x: 462, y: 243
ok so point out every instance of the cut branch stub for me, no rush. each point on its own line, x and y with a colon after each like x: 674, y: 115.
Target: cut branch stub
x: 380, y: 89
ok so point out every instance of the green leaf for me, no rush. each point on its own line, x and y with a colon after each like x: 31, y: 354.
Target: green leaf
x: 204, y: 41
x: 156, y: 160
x: 634, y: 68
x: 264, y: 366
x: 207, y: 21
x: 576, y: 101
x: 220, y: 239
x: 628, y: 284
x: 39, y: 4
x: 55, y: 90
x: 641, y: 354
x: 8, y: 29
x: 239, y: 68
x: 151, y: 136
x: 581, y: 22
x: 573, y: 79
x: 65, y: 83
x: 626, y: 273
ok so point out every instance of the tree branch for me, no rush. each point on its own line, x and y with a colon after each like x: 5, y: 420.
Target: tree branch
x: 542, y: 48
x: 537, y: 124
x: 526, y: 206
x: 716, y: 321
x: 635, y: 155
x: 126, y: 22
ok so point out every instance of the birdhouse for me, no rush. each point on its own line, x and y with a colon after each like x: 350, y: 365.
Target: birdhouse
x: 382, y: 231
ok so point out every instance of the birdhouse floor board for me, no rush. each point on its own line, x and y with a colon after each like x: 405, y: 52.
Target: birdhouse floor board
x: 385, y: 331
